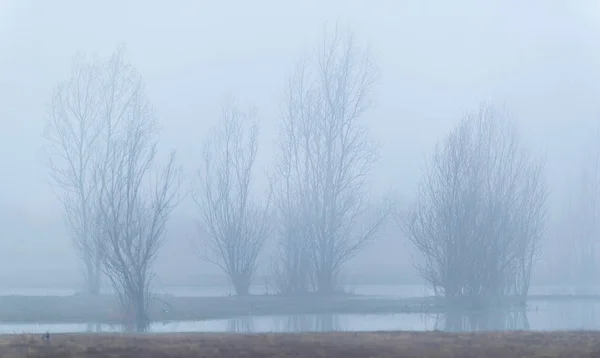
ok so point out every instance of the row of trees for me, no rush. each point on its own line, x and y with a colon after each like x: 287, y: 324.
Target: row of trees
x: 318, y: 190
x: 477, y: 222
x: 102, y: 136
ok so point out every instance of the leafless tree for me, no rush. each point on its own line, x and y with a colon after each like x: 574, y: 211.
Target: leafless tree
x: 73, y: 128
x: 479, y: 216
x: 235, y: 224
x: 134, y: 199
x: 325, y: 157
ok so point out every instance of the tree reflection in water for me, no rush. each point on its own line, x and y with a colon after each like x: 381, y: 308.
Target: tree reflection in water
x: 136, y: 327
x: 491, y: 320
x: 307, y: 323
x: 240, y: 325
x: 292, y: 323
x: 93, y: 328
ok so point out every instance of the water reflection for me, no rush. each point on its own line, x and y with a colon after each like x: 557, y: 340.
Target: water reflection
x: 569, y: 315
x: 240, y: 325
x: 291, y: 323
x: 542, y: 315
x: 307, y: 323
x: 100, y: 327
x: 494, y: 320
x: 93, y: 328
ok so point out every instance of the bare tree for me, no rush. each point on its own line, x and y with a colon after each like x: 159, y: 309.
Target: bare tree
x: 103, y: 135
x: 325, y: 157
x: 479, y: 216
x: 73, y: 128
x: 235, y: 224
x: 133, y: 201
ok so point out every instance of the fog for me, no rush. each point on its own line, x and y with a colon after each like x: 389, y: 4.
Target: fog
x: 436, y: 60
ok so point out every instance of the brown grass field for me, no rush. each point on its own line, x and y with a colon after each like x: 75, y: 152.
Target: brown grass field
x: 309, y: 345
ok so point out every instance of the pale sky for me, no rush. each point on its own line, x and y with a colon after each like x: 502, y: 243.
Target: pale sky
x: 437, y: 59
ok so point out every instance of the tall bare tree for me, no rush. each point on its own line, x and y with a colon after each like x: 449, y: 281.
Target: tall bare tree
x: 479, y: 216
x: 74, y: 124
x: 235, y: 224
x: 325, y: 158
x: 103, y: 136
x: 135, y: 197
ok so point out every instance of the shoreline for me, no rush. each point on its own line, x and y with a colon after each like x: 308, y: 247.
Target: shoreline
x: 104, y: 308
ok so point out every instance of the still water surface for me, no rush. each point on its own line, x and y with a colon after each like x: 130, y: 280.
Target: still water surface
x: 541, y: 315
x: 545, y: 316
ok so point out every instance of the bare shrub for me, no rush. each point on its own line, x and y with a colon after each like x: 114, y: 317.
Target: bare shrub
x: 479, y: 216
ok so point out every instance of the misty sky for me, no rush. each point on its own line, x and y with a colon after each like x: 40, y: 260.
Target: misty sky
x: 437, y: 59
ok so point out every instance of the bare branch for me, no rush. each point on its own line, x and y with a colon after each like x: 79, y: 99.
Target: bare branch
x: 480, y: 212
x: 102, y: 136
x: 325, y: 157
x: 73, y: 128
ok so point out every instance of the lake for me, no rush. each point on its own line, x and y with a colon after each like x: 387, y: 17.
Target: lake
x: 540, y: 315
x: 545, y: 316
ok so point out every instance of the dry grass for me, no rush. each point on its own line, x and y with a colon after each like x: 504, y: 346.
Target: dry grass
x: 313, y: 345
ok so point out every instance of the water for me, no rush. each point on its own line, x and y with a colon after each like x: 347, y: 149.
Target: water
x: 546, y: 316
x: 542, y: 315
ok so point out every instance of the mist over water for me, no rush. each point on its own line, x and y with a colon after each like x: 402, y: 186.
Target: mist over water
x: 431, y: 89
x: 538, y: 315
x: 546, y: 316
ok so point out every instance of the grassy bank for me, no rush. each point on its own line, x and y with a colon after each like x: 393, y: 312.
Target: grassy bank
x: 380, y: 344
x: 104, y: 309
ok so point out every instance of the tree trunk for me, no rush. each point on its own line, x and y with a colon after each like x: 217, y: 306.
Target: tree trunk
x: 139, y: 312
x: 241, y: 284
x: 325, y: 283
x: 92, y: 270
x: 95, y: 282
